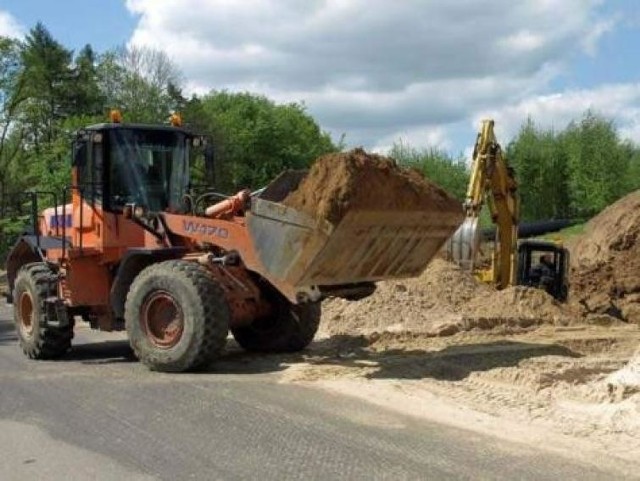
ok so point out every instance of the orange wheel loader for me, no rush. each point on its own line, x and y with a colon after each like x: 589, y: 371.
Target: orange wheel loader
x: 136, y: 250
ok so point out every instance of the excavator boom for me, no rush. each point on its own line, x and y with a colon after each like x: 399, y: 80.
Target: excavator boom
x: 492, y: 181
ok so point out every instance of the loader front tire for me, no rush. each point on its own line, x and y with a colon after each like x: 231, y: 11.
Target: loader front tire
x: 34, y: 284
x: 176, y: 316
x: 290, y: 328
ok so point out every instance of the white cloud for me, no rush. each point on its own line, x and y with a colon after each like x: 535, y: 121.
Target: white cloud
x: 9, y: 26
x: 432, y: 135
x: 620, y: 102
x: 590, y: 41
x: 375, y: 69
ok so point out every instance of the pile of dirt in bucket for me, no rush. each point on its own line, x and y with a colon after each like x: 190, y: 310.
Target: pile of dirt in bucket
x: 359, y: 180
x: 443, y: 301
x: 605, y: 276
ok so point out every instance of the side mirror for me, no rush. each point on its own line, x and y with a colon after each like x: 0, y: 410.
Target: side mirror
x: 209, y: 165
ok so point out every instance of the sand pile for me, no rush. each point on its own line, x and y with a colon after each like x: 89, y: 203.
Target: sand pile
x: 605, y: 276
x: 409, y: 305
x: 519, y: 304
x: 443, y: 301
x: 356, y: 179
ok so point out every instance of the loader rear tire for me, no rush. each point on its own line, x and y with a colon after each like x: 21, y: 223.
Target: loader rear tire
x: 290, y: 328
x: 34, y: 284
x: 176, y: 316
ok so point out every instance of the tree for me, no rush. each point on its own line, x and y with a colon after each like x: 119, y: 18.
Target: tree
x: 541, y: 170
x: 140, y: 81
x: 598, y: 164
x: 11, y: 97
x: 255, y: 139
x: 48, y: 84
x: 452, y: 174
x: 86, y: 97
x: 575, y: 172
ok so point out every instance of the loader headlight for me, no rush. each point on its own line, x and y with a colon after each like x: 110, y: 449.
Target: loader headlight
x: 138, y: 212
x: 131, y: 211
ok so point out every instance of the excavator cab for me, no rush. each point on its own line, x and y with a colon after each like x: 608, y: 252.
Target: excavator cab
x: 544, y: 265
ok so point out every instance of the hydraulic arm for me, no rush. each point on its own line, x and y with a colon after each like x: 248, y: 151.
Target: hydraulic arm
x: 492, y: 181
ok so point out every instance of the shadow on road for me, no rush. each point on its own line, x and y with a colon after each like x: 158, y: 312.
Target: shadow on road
x: 349, y: 353
x: 105, y: 352
x: 452, y: 363
x: 101, y: 352
x: 346, y: 352
x: 7, y: 332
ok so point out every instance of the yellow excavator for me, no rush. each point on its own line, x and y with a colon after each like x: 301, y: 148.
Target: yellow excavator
x: 533, y: 263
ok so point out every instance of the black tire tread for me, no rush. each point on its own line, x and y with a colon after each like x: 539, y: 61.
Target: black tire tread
x: 49, y: 342
x: 294, y: 329
x: 210, y: 340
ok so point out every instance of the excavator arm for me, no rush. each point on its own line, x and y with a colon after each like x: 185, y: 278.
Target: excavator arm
x: 492, y: 181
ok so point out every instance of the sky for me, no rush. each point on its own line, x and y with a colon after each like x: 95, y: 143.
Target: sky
x: 422, y: 72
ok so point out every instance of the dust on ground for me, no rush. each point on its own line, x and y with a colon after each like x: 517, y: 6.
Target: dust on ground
x: 334, y: 185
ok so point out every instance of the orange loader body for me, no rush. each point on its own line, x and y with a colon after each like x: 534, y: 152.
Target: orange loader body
x: 135, y: 250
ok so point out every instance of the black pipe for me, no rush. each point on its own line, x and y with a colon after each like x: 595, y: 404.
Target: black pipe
x: 534, y: 228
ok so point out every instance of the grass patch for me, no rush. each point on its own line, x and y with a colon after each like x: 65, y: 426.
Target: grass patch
x: 565, y: 234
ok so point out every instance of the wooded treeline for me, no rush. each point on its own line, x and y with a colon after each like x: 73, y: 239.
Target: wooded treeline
x: 47, y: 92
x: 570, y: 173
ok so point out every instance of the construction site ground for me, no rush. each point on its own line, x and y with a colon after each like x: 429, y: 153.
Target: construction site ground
x: 544, y: 384
x: 514, y: 364
x: 97, y: 414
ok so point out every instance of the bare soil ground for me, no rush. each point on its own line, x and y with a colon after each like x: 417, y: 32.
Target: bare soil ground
x: 514, y: 362
x: 605, y: 275
x: 556, y: 380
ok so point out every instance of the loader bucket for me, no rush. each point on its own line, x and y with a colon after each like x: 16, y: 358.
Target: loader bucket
x: 365, y: 245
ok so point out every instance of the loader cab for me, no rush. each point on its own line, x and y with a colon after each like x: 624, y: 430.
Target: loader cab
x: 146, y: 165
x: 544, y: 265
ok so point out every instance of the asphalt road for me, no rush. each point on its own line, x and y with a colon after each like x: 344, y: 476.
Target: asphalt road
x: 99, y: 415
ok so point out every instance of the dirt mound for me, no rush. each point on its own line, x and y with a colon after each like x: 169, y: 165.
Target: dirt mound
x: 524, y: 305
x: 615, y: 230
x: 443, y: 301
x: 605, y: 274
x: 417, y: 305
x: 335, y: 183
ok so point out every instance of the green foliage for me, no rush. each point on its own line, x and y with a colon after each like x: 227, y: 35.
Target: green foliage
x: 542, y: 172
x: 139, y: 81
x: 255, y: 139
x: 10, y: 229
x: 598, y: 164
x: 452, y: 174
x: 47, y: 93
x: 576, y: 172
x: 565, y: 234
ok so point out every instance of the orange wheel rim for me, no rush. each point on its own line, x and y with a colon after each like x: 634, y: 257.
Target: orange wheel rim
x: 26, y: 313
x: 162, y: 320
